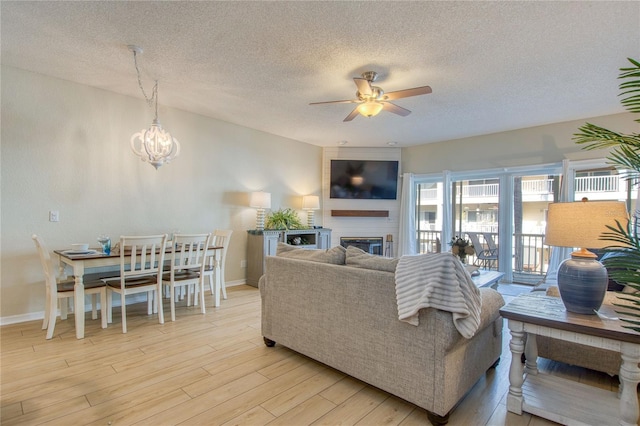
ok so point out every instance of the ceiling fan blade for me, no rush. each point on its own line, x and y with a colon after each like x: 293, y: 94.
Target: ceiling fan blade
x: 350, y: 101
x: 353, y: 114
x: 423, y: 90
x: 364, y: 87
x: 388, y: 106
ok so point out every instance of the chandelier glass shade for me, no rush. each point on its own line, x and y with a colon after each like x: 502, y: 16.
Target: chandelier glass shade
x: 370, y: 108
x: 154, y: 145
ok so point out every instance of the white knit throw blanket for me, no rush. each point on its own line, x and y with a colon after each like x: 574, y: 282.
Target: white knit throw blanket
x: 437, y: 280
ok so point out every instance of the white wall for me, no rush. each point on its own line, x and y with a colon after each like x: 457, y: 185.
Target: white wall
x: 359, y: 226
x: 65, y: 147
x: 534, y: 145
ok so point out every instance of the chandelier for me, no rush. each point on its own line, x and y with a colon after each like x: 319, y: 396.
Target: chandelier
x: 153, y: 145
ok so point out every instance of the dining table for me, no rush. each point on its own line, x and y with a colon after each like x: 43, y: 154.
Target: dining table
x: 82, y: 262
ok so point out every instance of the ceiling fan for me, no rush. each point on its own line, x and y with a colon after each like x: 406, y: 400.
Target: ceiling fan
x: 372, y: 99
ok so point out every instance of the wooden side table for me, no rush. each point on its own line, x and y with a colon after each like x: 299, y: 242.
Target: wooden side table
x: 561, y: 400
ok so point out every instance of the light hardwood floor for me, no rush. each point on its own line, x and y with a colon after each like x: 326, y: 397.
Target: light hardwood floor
x: 210, y: 369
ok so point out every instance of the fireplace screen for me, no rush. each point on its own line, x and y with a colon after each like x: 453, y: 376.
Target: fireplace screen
x: 371, y: 245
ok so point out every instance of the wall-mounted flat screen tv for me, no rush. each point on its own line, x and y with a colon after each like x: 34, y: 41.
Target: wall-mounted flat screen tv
x: 364, y: 179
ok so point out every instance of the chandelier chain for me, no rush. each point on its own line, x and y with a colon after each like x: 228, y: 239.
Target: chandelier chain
x: 154, y: 92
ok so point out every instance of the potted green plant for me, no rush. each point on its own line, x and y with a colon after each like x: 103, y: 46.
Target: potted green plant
x: 283, y: 219
x: 624, y: 260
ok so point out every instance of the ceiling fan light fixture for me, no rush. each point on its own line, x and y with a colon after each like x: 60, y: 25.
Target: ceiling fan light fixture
x: 370, y: 108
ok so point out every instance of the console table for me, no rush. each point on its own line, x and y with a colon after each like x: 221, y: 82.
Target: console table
x: 559, y: 399
x: 264, y: 243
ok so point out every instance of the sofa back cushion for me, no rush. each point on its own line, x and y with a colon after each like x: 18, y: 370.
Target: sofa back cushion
x: 334, y: 255
x: 361, y: 259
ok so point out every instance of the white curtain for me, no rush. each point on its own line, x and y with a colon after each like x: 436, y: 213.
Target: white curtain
x: 407, y: 237
x: 559, y: 254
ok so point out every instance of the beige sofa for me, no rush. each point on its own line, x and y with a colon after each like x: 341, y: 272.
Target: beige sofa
x: 347, y: 317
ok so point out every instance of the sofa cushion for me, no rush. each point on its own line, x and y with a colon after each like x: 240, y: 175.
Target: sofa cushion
x: 361, y: 259
x: 334, y: 255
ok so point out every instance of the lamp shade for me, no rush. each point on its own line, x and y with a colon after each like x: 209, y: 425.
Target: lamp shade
x: 260, y: 200
x: 582, y: 280
x: 581, y: 223
x: 310, y: 202
x: 370, y: 108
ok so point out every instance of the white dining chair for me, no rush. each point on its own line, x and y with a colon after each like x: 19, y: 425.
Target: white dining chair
x: 187, y: 268
x: 141, y: 261
x: 63, y: 290
x: 220, y: 238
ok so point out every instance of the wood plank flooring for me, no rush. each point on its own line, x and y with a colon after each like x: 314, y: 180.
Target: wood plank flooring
x: 210, y: 369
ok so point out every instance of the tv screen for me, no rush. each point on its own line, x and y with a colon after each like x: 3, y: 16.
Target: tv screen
x: 364, y: 179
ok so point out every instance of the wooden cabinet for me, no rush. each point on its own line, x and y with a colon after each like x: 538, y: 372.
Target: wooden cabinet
x: 264, y: 243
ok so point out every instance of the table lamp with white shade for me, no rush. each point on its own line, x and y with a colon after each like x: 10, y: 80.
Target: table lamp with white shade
x: 260, y: 200
x: 310, y: 203
x: 582, y: 280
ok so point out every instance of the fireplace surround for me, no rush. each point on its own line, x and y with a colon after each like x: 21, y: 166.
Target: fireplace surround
x: 372, y: 245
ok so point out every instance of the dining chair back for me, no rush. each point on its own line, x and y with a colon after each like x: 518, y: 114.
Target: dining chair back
x: 220, y: 238
x: 141, y: 262
x: 187, y: 267
x: 63, y: 290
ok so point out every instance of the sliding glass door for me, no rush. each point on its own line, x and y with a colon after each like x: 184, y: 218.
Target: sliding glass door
x: 429, y: 215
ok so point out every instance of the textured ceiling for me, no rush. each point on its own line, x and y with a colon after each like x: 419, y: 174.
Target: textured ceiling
x: 493, y: 66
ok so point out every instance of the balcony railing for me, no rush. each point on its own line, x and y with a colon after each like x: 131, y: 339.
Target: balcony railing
x: 486, y: 190
x: 530, y: 260
x: 588, y: 184
x: 597, y: 184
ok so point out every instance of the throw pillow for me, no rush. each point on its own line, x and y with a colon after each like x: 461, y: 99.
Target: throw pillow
x: 361, y: 259
x: 334, y: 255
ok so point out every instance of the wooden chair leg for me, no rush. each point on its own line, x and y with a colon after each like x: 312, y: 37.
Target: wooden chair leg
x: 51, y: 323
x: 172, y: 302
x: 223, y: 285
x: 123, y: 310
x: 94, y: 306
x: 47, y: 309
x: 160, y: 310
x: 202, y: 307
x: 103, y: 307
x: 64, y: 308
x: 109, y: 303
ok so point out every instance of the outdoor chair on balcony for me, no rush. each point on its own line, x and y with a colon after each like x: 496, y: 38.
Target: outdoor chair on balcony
x: 486, y: 257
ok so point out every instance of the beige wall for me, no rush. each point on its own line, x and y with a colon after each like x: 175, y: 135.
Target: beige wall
x: 535, y: 145
x: 65, y: 147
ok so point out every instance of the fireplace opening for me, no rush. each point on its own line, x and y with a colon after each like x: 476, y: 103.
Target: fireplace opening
x: 372, y: 245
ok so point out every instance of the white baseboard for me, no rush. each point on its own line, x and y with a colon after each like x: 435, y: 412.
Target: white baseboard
x: 33, y: 316
x: 134, y: 298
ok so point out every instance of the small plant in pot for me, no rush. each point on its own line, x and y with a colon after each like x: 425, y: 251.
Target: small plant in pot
x: 283, y: 219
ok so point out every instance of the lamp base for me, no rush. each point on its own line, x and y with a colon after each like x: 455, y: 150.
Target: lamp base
x: 582, y: 283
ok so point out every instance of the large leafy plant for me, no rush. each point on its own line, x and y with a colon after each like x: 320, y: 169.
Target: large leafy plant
x: 283, y: 219
x: 624, y: 260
